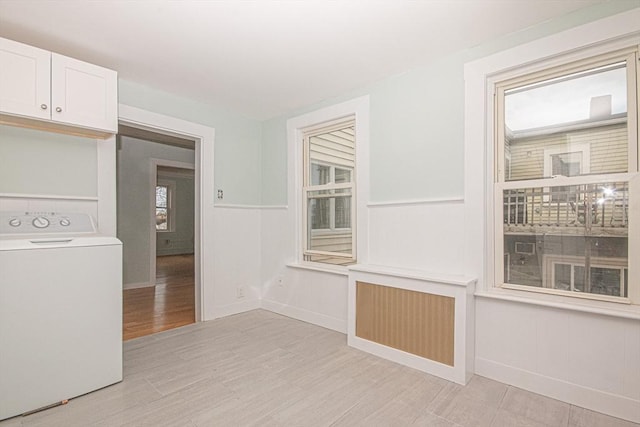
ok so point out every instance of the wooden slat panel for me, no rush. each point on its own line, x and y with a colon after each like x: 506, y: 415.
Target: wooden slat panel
x: 416, y: 322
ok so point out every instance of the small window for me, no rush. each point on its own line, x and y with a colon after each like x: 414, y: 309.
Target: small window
x: 603, y: 277
x: 329, y: 188
x: 525, y: 248
x: 163, y: 207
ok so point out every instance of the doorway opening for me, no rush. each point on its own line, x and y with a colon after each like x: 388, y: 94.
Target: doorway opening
x: 157, y: 200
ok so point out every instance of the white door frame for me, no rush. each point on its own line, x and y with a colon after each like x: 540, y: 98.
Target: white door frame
x: 153, y: 232
x: 204, y: 194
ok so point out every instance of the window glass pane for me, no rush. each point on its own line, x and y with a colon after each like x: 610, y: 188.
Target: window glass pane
x: 571, y: 125
x: 324, y: 236
x: 320, y: 174
x: 335, y: 149
x: 319, y: 211
x: 343, y: 212
x: 606, y: 281
x: 161, y: 218
x: 342, y: 176
x: 330, y: 157
x: 578, y: 278
x: 562, y: 277
x: 161, y: 196
x: 570, y: 238
x: 566, y: 164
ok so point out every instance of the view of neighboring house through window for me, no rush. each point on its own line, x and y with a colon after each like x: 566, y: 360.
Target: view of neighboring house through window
x: 163, y: 198
x: 329, y: 188
x: 567, y: 149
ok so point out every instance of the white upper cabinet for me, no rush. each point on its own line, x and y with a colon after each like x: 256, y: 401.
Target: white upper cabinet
x: 83, y: 94
x: 25, y: 80
x: 62, y: 92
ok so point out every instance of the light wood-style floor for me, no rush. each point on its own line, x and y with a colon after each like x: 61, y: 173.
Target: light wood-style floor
x: 262, y: 369
x: 168, y: 305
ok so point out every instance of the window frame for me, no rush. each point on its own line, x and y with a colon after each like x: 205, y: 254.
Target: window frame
x: 527, y: 75
x: 360, y: 108
x: 308, y: 133
x: 171, y: 189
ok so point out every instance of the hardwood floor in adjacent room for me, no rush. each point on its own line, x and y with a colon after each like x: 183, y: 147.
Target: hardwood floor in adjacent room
x: 168, y: 305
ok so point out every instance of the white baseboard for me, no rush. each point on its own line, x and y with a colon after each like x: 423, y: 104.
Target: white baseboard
x: 137, y: 285
x: 235, y: 308
x: 335, y: 324
x: 596, y: 400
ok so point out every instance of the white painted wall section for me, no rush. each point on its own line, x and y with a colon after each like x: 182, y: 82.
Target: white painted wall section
x: 428, y: 236
x: 235, y: 262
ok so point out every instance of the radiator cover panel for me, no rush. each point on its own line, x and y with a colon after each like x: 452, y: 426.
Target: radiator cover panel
x: 419, y: 323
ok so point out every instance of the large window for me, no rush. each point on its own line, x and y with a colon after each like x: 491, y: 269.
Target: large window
x: 567, y: 156
x: 328, y: 193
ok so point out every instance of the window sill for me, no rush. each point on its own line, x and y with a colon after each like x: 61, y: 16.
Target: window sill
x: 313, y: 266
x: 603, y: 308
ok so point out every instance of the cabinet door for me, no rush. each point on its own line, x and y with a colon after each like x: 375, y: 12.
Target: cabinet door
x: 24, y: 80
x: 83, y: 94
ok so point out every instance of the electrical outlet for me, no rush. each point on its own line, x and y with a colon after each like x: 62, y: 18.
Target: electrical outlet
x: 240, y: 292
x: 280, y: 281
x: 220, y: 194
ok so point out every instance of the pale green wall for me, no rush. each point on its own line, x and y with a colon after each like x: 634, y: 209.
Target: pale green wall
x: 274, y: 163
x: 237, y: 154
x: 47, y: 163
x: 417, y: 122
x: 134, y: 190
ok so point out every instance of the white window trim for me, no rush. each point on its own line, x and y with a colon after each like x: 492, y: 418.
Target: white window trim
x: 599, y: 37
x: 358, y: 107
x: 499, y: 83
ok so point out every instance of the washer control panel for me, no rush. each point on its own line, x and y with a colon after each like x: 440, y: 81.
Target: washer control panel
x: 12, y: 223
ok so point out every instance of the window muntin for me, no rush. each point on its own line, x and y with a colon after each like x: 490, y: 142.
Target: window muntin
x: 566, y: 154
x: 328, y: 193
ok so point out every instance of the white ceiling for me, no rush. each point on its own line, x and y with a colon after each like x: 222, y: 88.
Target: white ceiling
x: 263, y: 58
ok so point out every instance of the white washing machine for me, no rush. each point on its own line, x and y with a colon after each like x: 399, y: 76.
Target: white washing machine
x: 60, y: 309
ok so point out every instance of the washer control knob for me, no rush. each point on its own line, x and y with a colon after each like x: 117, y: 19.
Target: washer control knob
x: 40, y: 222
x: 15, y: 222
x: 65, y: 222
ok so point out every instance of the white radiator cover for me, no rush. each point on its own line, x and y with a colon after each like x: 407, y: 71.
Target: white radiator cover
x: 458, y: 287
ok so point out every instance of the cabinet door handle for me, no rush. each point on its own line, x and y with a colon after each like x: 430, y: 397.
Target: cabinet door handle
x: 43, y: 106
x: 59, y: 110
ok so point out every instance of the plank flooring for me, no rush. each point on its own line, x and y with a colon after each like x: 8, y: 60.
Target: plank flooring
x: 170, y: 304
x: 262, y: 369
